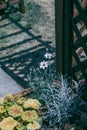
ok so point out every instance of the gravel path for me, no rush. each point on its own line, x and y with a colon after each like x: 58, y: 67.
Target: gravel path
x: 44, y: 27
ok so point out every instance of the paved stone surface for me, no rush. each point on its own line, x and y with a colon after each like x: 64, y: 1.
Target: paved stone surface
x: 8, y: 85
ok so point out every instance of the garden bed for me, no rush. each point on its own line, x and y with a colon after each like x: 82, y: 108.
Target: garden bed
x: 27, y: 111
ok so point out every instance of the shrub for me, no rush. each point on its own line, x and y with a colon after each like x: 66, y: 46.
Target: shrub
x: 15, y: 115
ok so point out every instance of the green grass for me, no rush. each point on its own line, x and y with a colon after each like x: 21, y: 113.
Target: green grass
x: 33, y: 14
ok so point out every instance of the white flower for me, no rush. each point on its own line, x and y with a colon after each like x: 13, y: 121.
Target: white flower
x: 44, y: 64
x: 48, y: 55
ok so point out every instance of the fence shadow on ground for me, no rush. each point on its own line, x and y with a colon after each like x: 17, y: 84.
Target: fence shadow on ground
x: 17, y: 64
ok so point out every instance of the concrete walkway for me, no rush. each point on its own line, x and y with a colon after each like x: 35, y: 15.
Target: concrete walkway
x: 8, y: 85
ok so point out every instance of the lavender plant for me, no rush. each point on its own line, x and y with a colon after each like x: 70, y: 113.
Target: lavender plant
x: 60, y: 101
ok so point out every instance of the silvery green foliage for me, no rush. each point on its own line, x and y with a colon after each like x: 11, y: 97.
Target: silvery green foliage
x: 60, y: 102
x: 57, y: 94
x: 39, y: 79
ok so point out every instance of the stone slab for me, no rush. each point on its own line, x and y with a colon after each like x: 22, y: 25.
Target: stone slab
x: 8, y: 85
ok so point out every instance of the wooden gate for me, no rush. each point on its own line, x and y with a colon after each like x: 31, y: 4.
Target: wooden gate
x: 71, y: 36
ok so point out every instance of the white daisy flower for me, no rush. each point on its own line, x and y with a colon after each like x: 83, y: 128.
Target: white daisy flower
x: 44, y: 64
x: 48, y: 55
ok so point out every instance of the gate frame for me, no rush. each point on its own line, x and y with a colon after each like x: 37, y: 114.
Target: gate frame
x: 64, y: 35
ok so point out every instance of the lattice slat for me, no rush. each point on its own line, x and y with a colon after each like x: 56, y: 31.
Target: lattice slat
x: 79, y: 47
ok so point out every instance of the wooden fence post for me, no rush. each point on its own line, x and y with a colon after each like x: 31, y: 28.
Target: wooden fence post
x: 63, y: 35
x: 22, y: 7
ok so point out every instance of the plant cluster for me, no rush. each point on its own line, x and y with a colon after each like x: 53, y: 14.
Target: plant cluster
x: 19, y: 113
x: 57, y: 95
x: 60, y: 95
x: 32, y: 13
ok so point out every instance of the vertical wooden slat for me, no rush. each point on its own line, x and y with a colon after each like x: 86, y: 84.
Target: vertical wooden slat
x: 63, y: 35
x: 67, y: 35
x: 22, y: 7
x: 59, y: 36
